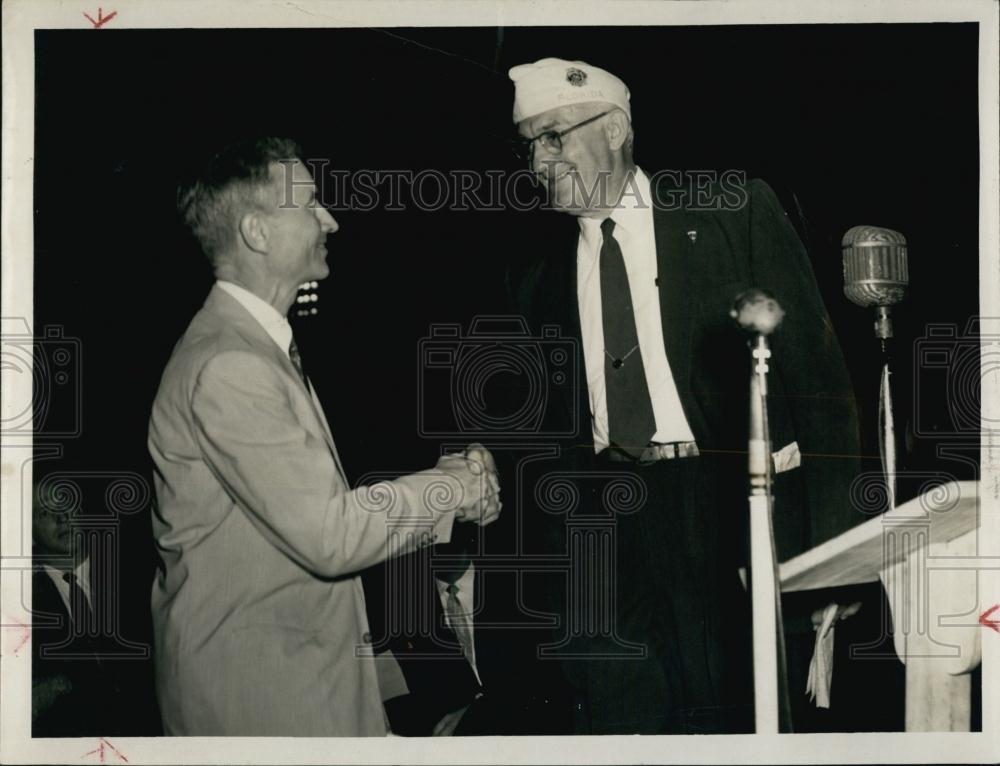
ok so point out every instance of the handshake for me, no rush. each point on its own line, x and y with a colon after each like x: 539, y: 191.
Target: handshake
x: 476, y: 472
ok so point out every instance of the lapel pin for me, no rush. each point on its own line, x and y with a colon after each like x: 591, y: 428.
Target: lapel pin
x: 693, y: 235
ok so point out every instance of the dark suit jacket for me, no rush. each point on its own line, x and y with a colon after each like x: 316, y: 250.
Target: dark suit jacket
x: 518, y: 694
x: 705, y: 259
x: 97, y: 687
x: 810, y: 395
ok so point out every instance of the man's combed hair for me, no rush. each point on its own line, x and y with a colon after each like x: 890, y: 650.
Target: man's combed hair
x: 231, y: 183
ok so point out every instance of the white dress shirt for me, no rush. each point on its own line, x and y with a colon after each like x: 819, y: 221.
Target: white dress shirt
x: 82, y: 573
x: 636, y: 236
x: 634, y: 231
x: 466, y: 595
x: 266, y: 315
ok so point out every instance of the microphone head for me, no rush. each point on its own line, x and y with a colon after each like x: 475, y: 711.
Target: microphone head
x: 875, y: 267
x: 757, y: 311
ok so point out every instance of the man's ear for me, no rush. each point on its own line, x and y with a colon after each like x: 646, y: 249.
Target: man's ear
x: 616, y: 129
x: 254, y: 231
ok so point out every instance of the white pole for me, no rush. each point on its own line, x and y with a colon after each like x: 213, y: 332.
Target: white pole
x: 762, y: 570
x: 765, y: 639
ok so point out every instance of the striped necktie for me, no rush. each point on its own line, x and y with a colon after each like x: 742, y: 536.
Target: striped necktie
x: 296, y: 358
x: 459, y: 621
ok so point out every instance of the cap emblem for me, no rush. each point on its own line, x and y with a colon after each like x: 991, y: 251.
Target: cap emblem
x: 576, y: 77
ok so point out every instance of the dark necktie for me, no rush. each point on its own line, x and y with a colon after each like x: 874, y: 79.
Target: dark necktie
x: 293, y: 354
x: 459, y: 622
x: 88, y: 635
x: 631, y: 423
x: 79, y: 607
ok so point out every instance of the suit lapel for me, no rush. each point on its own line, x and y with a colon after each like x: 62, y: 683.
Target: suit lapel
x: 563, y: 309
x: 47, y: 608
x: 675, y: 263
x: 327, y: 434
x: 227, y: 308
x: 579, y: 398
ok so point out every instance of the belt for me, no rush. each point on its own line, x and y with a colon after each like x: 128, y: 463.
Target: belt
x: 654, y: 452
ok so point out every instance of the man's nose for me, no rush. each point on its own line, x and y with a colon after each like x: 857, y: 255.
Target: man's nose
x: 326, y: 221
x: 543, y: 161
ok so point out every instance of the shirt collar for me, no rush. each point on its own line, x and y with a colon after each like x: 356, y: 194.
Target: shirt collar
x: 465, y: 583
x: 267, y: 316
x: 81, y: 571
x: 632, y: 214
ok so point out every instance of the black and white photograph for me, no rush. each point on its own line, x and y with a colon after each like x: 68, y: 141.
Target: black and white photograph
x: 500, y: 382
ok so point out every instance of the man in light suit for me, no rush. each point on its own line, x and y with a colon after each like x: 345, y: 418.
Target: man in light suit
x: 259, y: 619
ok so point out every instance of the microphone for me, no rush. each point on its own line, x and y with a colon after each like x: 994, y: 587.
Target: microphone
x: 757, y: 312
x: 875, y: 271
x: 876, y: 274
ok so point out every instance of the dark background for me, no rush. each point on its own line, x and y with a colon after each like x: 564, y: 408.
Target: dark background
x: 851, y: 124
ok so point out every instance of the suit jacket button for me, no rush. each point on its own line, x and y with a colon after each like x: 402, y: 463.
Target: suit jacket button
x: 367, y: 637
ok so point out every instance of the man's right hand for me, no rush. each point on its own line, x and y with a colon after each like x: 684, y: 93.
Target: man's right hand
x: 480, y: 487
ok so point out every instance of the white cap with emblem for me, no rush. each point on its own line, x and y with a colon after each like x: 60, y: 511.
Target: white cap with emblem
x: 551, y: 83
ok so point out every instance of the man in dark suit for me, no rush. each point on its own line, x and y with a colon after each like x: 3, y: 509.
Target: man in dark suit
x: 644, y: 282
x: 468, y: 657
x: 79, y: 687
x: 467, y: 671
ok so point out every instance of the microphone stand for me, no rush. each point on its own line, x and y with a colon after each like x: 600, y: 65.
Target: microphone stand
x: 772, y: 711
x: 886, y: 425
x: 876, y: 275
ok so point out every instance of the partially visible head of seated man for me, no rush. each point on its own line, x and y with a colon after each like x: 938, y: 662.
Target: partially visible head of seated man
x: 51, y: 529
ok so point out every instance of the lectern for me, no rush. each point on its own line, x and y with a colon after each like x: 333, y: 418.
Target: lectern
x: 927, y: 553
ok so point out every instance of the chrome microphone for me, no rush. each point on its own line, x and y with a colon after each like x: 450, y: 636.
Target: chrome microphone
x: 756, y: 311
x: 875, y: 272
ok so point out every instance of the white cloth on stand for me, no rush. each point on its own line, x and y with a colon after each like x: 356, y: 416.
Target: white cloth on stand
x: 821, y: 666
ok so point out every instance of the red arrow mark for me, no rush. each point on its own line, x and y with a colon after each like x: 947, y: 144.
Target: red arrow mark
x: 99, y: 750
x: 101, y: 18
x: 986, y: 622
x: 25, y: 634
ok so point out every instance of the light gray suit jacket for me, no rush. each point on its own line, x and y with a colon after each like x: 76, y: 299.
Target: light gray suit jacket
x: 259, y: 619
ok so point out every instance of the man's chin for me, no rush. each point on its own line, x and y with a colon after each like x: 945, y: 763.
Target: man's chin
x: 559, y: 205
x: 565, y: 197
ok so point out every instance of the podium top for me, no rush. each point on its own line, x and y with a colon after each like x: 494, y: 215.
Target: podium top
x: 860, y: 554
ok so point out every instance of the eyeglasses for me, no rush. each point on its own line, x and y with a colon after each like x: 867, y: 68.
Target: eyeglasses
x: 551, y: 140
